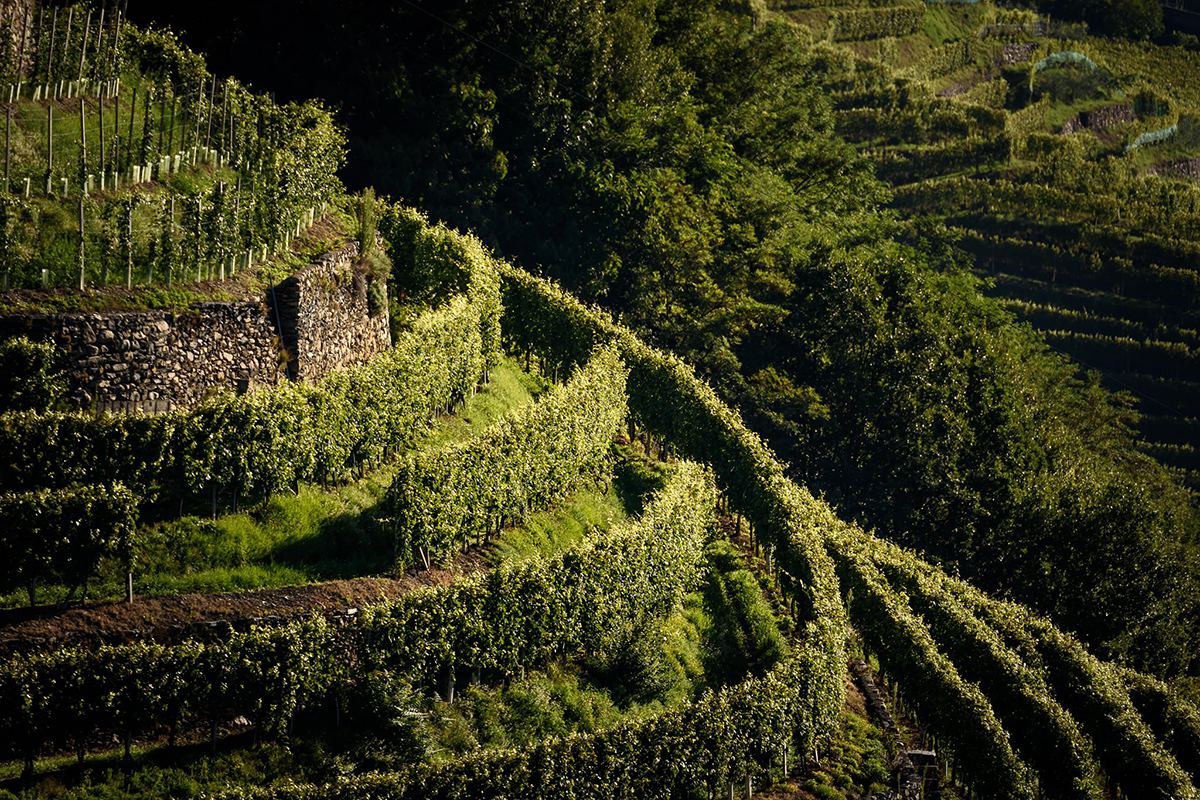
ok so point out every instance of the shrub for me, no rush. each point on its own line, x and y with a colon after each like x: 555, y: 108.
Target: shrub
x: 28, y: 380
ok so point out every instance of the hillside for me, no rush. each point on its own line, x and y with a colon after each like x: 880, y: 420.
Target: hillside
x: 594, y: 578
x: 690, y: 167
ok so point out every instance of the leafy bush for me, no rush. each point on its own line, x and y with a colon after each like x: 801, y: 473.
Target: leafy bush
x: 386, y: 718
x: 61, y: 536
x: 29, y: 380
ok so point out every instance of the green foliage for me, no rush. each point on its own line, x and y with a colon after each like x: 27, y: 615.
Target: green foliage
x: 263, y: 443
x: 693, y: 752
x: 1175, y: 721
x: 1130, y: 19
x: 526, y: 460
x: 62, y: 535
x: 874, y: 23
x: 1093, y: 692
x: 511, y: 618
x: 958, y: 710
x: 28, y: 378
x: 385, y: 715
x: 1043, y: 733
x: 368, y: 222
x: 670, y: 401
x: 745, y: 637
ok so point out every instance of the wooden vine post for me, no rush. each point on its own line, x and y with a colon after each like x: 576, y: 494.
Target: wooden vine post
x: 50, y: 54
x: 171, y: 132
x: 82, y: 146
x: 82, y: 243
x: 212, y: 97
x: 103, y: 173
x: 116, y: 156
x: 132, y: 117
x: 144, y: 151
x: 87, y: 31
x: 129, y: 241
x: 37, y: 42
x: 66, y: 40
x: 49, y: 146
x: 196, y: 107
x: 98, y: 61
x: 82, y: 193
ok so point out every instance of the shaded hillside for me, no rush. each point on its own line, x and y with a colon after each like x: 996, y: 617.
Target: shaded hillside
x: 677, y: 163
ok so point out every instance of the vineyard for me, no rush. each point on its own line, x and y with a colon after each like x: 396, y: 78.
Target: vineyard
x: 1061, y: 160
x: 576, y: 572
x: 1021, y: 708
x: 127, y: 162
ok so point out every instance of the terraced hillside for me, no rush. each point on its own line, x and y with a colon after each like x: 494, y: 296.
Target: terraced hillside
x: 1068, y: 165
x: 594, y: 580
x: 1023, y: 708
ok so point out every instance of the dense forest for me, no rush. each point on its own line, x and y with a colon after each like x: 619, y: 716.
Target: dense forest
x: 677, y: 162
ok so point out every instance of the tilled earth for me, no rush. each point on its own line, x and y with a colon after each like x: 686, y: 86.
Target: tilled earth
x: 173, y: 618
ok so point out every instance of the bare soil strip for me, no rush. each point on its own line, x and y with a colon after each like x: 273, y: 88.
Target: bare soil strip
x: 173, y: 618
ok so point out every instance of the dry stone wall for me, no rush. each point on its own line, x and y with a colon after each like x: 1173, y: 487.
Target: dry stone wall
x: 1182, y: 167
x: 327, y: 324
x: 158, y: 360
x: 1102, y: 118
x: 314, y: 323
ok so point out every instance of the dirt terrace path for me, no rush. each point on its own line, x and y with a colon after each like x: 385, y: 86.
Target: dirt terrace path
x: 173, y: 618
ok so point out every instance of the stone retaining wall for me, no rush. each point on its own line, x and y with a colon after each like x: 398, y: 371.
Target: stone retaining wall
x: 157, y: 360
x: 1015, y: 53
x: 154, y: 361
x: 1099, y: 119
x: 326, y: 319
x: 1182, y: 167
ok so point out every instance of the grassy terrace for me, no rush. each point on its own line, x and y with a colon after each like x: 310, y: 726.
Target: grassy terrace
x: 319, y: 535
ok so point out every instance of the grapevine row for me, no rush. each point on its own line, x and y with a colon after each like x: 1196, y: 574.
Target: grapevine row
x: 266, y: 442
x: 1049, y: 691
x: 512, y: 618
x: 666, y: 397
x: 1044, y: 734
x: 60, y: 536
x: 444, y: 496
x: 875, y: 23
x: 956, y: 709
x: 1093, y: 692
x: 697, y: 751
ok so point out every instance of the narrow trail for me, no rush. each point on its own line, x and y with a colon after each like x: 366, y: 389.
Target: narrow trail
x: 172, y: 618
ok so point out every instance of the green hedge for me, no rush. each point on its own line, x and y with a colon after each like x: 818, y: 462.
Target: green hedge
x: 1043, y: 733
x: 526, y: 460
x: 1094, y: 693
x: 514, y: 617
x: 60, y: 536
x: 695, y: 752
x: 959, y: 712
x: 875, y: 23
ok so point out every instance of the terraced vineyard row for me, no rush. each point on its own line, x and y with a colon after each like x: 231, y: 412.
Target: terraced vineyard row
x: 1089, y: 234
